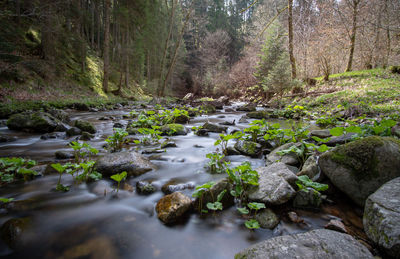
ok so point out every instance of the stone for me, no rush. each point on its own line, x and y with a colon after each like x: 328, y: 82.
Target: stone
x: 321, y: 133
x: 307, y: 199
x: 259, y: 115
x: 227, y: 123
x: 5, y: 138
x: 211, y: 195
x: 248, y: 148
x: 181, y: 119
x: 267, y: 219
x: 214, y: 127
x: 52, y: 135
x: 396, y: 131
x: 145, y: 188
x: 202, y: 133
x: 86, y: 136
x: 243, y: 119
x: 173, y: 130
x: 188, y: 97
x: 359, y: 168
x: 381, y: 217
x: 40, y: 122
x: 336, y: 225
x: 294, y: 217
x: 289, y: 159
x: 340, y: 140
x: 224, y: 100
x: 131, y: 162
x: 247, y: 108
x: 168, y: 144
x: 80, y: 106
x: 74, y: 131
x: 64, y: 155
x: 231, y: 151
x: 208, y: 108
x: 118, y: 125
x: 85, y: 126
x: 311, y: 169
x: 229, y: 110
x: 12, y: 230
x: 273, y: 185
x: 60, y: 115
x: 153, y: 151
x: 320, y: 243
x: 174, y: 186
x: 172, y: 207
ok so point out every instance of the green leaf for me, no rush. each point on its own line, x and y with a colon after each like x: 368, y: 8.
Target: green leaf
x: 95, y: 176
x: 62, y: 188
x: 338, y: 131
x: 8, y: 178
x: 323, y: 148
x: 388, y: 123
x: 304, y: 180
x: 354, y: 129
x: 256, y: 205
x: 214, y: 205
x: 119, y: 177
x: 26, y: 171
x: 6, y: 200
x: 221, y: 195
x: 58, y: 167
x: 243, y: 210
x: 252, y: 224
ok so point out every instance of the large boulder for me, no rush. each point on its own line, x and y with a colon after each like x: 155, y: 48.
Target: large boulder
x: 173, y: 129
x: 85, y: 126
x: 248, y: 148
x: 359, y: 168
x: 320, y: 243
x: 247, y: 108
x: 274, y: 185
x: 381, y: 217
x: 211, y: 127
x: 40, y: 122
x: 172, y: 207
x: 131, y: 162
x: 289, y: 159
x: 212, y: 194
x: 12, y: 230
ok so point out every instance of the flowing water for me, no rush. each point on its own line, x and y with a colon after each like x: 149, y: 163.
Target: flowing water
x: 86, y: 223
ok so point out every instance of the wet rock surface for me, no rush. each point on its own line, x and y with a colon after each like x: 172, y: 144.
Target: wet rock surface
x: 40, y: 122
x: 289, y: 159
x: 172, y: 207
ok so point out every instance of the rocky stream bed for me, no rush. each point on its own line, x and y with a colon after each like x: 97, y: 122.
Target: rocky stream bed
x: 154, y: 214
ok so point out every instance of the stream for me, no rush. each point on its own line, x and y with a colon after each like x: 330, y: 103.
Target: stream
x: 86, y: 223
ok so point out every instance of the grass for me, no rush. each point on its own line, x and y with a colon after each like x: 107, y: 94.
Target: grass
x: 375, y: 92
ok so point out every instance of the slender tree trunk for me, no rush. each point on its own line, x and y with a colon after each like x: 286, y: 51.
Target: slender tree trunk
x: 127, y: 56
x: 92, y: 29
x: 290, y: 29
x: 353, y: 35
x: 106, y: 51
x: 18, y: 9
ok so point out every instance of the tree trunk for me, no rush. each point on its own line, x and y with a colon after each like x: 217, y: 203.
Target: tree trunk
x: 353, y: 35
x: 106, y: 51
x: 127, y: 56
x: 290, y: 29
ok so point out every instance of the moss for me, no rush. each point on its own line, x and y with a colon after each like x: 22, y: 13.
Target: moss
x: 359, y: 156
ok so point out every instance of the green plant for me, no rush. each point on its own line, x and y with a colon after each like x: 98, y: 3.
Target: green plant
x: 256, y: 206
x: 6, y: 200
x: 241, y: 177
x: 81, y: 150
x: 118, y: 178
x: 382, y: 128
x: 217, y: 164
x: 252, y: 224
x: 61, y: 169
x: 116, y: 140
x: 216, y: 205
x: 11, y: 168
x: 304, y: 181
x: 224, y: 139
x: 150, y: 135
x: 199, y: 192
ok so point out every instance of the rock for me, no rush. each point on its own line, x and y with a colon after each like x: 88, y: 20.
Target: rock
x: 153, y: 151
x: 131, y: 162
x: 214, y: 127
x: 104, y: 119
x: 336, y: 225
x: 258, y: 115
x: 74, y: 131
x: 86, y: 136
x: 12, y: 230
x: 216, y: 104
x: 188, y: 97
x: 85, y: 126
x: 202, y: 133
x: 307, y: 199
x: 208, y: 108
x: 294, y: 217
x: 289, y: 159
x: 127, y: 187
x: 5, y: 138
x: 80, y: 106
x: 40, y: 122
x: 396, y: 131
x: 274, y: 187
x: 168, y: 144
x: 61, y: 127
x: 224, y: 100
x: 145, y: 188
x: 321, y: 133
x: 64, y: 155
x: 211, y: 195
x: 60, y: 115
x: 381, y: 217
x: 227, y: 123
x: 231, y: 151
x: 118, y: 125
x: 247, y: 108
x: 243, y: 119
x: 229, y: 110
x: 359, y: 168
x: 174, y: 186
x: 93, y: 110
x: 320, y: 243
x: 311, y: 169
x: 267, y: 219
x: 340, y: 140
x: 181, y: 119
x: 172, y: 207
x: 52, y: 135
x: 248, y: 148
x: 99, y: 246
x: 173, y: 130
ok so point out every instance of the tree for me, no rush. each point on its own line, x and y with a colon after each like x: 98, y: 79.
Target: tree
x: 106, y: 49
x: 290, y: 43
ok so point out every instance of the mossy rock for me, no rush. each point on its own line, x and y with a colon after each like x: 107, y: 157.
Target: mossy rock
x: 40, y: 122
x: 12, y: 230
x: 211, y: 127
x: 173, y: 129
x: 258, y: 115
x: 208, y: 108
x: 85, y: 126
x: 248, y: 148
x: 359, y: 168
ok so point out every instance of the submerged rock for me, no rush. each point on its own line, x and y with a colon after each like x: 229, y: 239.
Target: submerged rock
x: 321, y: 244
x: 248, y: 148
x: 5, y: 138
x: 145, y: 188
x: 74, y: 131
x: 214, y: 127
x: 64, y: 155
x: 172, y: 207
x: 274, y: 187
x: 289, y: 159
x: 86, y: 136
x: 12, y: 230
x: 381, y: 217
x: 267, y: 219
x: 131, y: 162
x: 40, y: 122
x: 359, y: 168
x: 85, y: 126
x: 174, y: 185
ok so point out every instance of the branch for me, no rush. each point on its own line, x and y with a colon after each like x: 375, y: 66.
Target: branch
x: 272, y: 20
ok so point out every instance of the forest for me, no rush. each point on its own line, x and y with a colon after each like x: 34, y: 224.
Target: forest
x: 200, y: 129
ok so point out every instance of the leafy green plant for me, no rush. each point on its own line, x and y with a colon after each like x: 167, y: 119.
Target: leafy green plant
x: 6, y: 200
x: 224, y: 139
x: 216, y: 205
x: 81, y: 150
x: 252, y: 224
x: 217, y: 164
x: 241, y: 177
x: 118, y: 178
x: 11, y: 168
x: 256, y: 206
x: 199, y: 192
x: 116, y: 140
x: 150, y: 135
x: 304, y: 181
x: 61, y: 169
x: 382, y: 128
